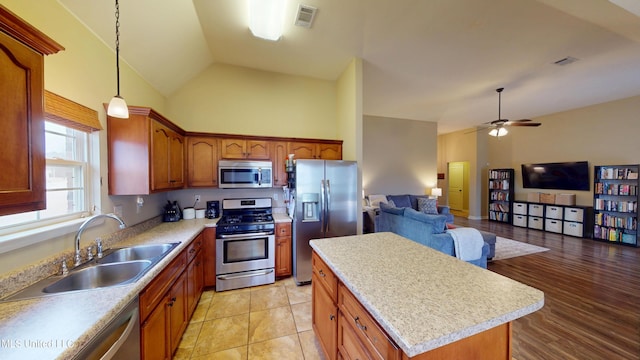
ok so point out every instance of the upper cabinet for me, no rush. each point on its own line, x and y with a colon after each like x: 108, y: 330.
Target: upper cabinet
x: 316, y: 150
x: 22, y: 50
x: 202, y: 161
x: 237, y: 148
x: 146, y: 153
x: 279, y: 155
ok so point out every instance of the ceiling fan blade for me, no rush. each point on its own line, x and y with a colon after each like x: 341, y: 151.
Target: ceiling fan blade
x: 521, y: 120
x: 532, y: 124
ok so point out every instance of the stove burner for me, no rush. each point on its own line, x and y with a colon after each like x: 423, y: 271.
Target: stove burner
x: 238, y: 217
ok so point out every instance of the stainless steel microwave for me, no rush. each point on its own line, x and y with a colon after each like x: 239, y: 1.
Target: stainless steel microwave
x: 245, y: 174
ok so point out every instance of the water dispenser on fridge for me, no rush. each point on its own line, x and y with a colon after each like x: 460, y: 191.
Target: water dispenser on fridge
x: 310, y: 207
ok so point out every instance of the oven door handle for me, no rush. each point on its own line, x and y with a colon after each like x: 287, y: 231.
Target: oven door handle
x: 246, y: 236
x: 245, y: 274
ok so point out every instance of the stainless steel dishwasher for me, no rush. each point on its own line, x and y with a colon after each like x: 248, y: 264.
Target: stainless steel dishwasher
x: 120, y: 339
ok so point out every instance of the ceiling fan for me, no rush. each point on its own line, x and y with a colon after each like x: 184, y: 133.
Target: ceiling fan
x: 499, y: 126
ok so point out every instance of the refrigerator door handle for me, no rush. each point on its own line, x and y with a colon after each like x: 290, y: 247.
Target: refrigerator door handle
x: 323, y: 211
x: 326, y: 208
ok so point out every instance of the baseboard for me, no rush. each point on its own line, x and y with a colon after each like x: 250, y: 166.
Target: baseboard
x: 476, y: 217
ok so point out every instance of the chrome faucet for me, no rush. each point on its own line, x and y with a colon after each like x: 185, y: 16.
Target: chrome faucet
x: 78, y: 257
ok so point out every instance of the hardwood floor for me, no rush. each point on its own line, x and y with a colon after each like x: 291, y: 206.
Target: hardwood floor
x: 592, y: 295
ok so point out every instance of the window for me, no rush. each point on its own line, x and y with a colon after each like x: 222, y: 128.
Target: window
x: 67, y: 179
x: 69, y: 130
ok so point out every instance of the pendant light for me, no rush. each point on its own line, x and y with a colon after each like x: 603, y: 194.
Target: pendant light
x: 117, y: 106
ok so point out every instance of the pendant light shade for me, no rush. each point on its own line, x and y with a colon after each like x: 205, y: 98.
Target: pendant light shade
x: 117, y: 106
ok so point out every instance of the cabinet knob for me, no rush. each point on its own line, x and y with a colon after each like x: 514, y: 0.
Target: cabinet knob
x: 331, y: 316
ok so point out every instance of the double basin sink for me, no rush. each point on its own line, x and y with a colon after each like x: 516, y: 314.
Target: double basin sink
x: 117, y: 267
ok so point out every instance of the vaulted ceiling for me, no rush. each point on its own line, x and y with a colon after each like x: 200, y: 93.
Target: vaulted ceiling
x: 434, y: 60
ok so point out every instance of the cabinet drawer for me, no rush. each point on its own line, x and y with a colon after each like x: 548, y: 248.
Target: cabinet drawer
x: 553, y: 225
x: 520, y: 220
x: 553, y: 212
x: 283, y: 229
x: 520, y: 208
x: 326, y: 276
x: 367, y: 330
x: 349, y: 346
x: 194, y: 247
x: 573, y: 229
x: 574, y: 214
x: 535, y: 223
x: 536, y: 210
x: 155, y: 291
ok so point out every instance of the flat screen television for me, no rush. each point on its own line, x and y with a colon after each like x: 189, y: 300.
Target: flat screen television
x: 556, y: 176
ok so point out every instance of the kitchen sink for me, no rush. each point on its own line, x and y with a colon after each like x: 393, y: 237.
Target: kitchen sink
x: 140, y: 252
x: 119, y: 266
x: 104, y: 275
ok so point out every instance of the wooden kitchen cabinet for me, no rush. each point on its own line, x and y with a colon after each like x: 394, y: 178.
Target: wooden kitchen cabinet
x: 244, y: 149
x: 283, y: 250
x: 169, y: 300
x: 167, y: 172
x: 202, y: 161
x: 209, y: 256
x: 278, y: 157
x: 324, y: 317
x: 316, y: 150
x: 22, y: 47
x: 146, y: 153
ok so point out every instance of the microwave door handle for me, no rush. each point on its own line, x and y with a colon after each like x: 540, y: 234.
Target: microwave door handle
x: 259, y: 176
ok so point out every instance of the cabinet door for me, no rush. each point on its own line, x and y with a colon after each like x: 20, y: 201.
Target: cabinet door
x: 154, y: 337
x: 177, y: 308
x: 161, y: 142
x: 279, y: 156
x: 324, y: 318
x: 283, y: 256
x: 258, y: 150
x: 329, y: 152
x: 233, y: 149
x: 209, y: 256
x: 202, y: 161
x: 176, y: 160
x: 303, y: 150
x: 194, y: 283
x: 22, y: 183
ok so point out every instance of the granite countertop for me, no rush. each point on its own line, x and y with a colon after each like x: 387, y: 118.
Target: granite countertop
x: 424, y: 299
x: 281, y: 218
x: 58, y: 326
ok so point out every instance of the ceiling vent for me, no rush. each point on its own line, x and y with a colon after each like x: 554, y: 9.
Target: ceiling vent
x: 566, y: 61
x: 305, y: 15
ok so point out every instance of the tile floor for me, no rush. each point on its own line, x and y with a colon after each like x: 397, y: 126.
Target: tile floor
x: 264, y: 322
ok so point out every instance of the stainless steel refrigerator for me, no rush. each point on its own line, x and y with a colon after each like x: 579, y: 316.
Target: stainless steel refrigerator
x: 325, y: 206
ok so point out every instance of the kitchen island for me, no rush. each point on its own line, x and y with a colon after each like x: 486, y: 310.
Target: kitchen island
x: 383, y: 296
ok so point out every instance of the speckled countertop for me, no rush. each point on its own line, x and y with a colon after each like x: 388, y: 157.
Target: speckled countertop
x: 424, y: 299
x: 57, y: 327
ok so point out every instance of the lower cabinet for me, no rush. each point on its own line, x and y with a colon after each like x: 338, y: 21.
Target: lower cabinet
x: 324, y: 317
x: 284, y: 250
x: 169, y: 300
x: 209, y: 256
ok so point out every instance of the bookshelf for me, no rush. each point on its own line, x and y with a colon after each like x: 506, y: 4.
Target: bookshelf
x: 615, y: 204
x: 501, y: 195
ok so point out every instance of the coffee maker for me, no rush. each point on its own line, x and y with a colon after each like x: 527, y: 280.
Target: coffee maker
x: 213, y: 209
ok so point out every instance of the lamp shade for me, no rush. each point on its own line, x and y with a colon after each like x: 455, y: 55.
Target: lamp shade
x: 266, y: 18
x: 436, y: 192
x: 118, y: 108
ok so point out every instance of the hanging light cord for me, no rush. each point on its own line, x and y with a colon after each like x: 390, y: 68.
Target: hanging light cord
x: 118, y: 46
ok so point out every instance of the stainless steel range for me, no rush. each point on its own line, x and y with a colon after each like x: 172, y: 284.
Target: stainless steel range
x: 245, y: 244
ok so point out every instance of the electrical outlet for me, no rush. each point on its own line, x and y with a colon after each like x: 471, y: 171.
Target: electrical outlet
x: 197, y: 198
